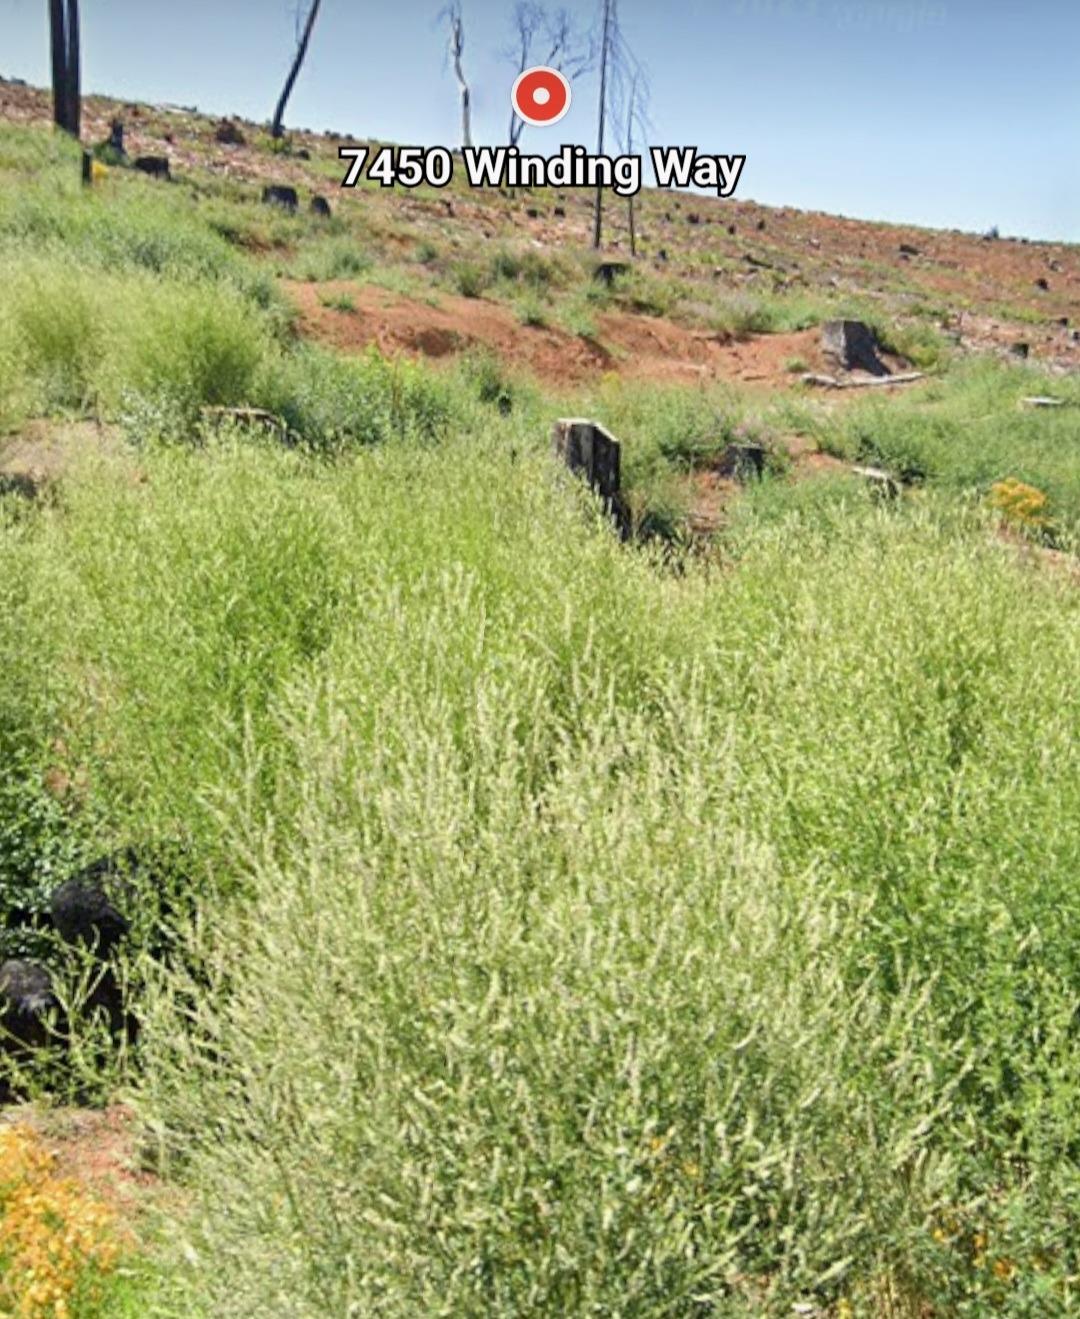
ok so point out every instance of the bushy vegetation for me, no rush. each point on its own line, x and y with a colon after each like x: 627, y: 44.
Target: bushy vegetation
x: 970, y: 430
x: 571, y: 935
x: 60, y: 1246
x: 598, y: 939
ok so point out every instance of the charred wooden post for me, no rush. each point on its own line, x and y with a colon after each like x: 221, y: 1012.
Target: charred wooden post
x: 587, y: 449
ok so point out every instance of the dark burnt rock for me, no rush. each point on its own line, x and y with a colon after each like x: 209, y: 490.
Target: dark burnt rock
x: 277, y: 194
x: 106, y: 1000
x: 83, y: 910
x: 743, y: 461
x: 229, y: 134
x: 19, y: 483
x: 26, y: 1002
x: 156, y: 166
x: 608, y: 271
x: 116, y: 137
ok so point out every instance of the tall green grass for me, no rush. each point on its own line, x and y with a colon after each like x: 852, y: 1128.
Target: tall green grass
x: 575, y: 938
x: 572, y: 937
x: 969, y: 430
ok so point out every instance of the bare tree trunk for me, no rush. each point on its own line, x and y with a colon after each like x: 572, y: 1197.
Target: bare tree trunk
x: 74, y: 75
x: 630, y: 113
x: 457, y: 50
x: 58, y: 34
x: 276, y: 128
x: 605, y: 51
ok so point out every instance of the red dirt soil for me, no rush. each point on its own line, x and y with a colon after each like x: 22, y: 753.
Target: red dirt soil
x: 97, y: 1147
x: 645, y: 347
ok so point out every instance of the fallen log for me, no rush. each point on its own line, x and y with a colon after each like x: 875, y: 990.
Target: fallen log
x: 830, y: 382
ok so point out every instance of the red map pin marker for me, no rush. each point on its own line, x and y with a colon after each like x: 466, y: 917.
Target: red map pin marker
x: 541, y: 96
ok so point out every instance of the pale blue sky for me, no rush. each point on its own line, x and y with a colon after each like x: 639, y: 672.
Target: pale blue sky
x: 960, y: 113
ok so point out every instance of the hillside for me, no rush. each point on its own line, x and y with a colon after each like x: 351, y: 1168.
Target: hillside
x: 711, y: 274
x: 417, y: 898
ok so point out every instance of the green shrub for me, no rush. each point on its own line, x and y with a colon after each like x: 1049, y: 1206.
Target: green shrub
x: 538, y: 270
x: 532, y: 312
x: 80, y: 338
x: 333, y: 402
x: 56, y: 327
x: 469, y: 279
x: 330, y: 259
x: 968, y: 431
x: 684, y: 897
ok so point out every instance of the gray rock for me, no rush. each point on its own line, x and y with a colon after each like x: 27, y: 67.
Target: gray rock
x: 853, y: 345
x: 26, y: 1002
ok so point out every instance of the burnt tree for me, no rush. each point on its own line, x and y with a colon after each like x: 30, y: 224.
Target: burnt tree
x: 277, y: 128
x: 66, y: 63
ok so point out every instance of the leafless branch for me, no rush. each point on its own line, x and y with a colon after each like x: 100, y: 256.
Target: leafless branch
x: 452, y: 16
x: 549, y: 38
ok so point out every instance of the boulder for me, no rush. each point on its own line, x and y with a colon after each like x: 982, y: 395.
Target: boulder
x: 854, y: 346
x: 156, y: 166
x: 277, y: 194
x: 742, y: 462
x: 229, y: 134
x: 26, y: 1002
x: 19, y: 483
x: 83, y: 909
x: 608, y: 271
